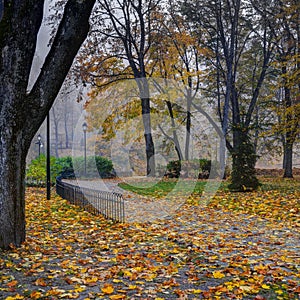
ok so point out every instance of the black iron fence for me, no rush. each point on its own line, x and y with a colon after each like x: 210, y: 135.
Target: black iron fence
x: 108, y: 204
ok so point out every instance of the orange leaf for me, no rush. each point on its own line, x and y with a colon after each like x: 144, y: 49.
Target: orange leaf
x: 117, y: 297
x: 107, y: 289
x: 12, y: 283
x: 41, y: 282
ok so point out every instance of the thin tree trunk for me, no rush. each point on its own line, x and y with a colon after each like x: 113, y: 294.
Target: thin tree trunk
x: 148, y: 137
x: 289, y: 140
x: 288, y: 159
x: 188, y: 133
x: 175, y: 137
x: 66, y: 133
x: 55, y: 123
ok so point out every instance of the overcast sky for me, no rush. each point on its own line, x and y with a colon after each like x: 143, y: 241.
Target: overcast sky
x: 41, y: 48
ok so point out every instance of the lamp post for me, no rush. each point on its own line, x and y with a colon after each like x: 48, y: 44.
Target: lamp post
x: 39, y: 143
x: 84, y: 128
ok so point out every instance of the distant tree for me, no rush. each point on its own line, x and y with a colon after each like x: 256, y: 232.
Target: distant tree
x: 177, y: 57
x: 118, y: 49
x: 241, y: 43
x: 287, y: 30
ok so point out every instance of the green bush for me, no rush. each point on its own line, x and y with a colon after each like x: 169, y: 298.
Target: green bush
x: 36, y: 172
x: 67, y: 167
x: 201, y: 166
x: 95, y: 166
x: 243, y: 176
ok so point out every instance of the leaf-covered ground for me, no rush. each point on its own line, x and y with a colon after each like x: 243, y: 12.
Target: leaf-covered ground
x: 240, y: 246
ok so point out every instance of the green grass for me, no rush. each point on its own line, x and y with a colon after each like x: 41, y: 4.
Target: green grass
x: 163, y: 187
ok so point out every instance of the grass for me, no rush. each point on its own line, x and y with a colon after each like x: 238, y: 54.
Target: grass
x: 163, y: 187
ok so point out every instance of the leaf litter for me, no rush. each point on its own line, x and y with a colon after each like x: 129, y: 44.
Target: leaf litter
x: 240, y: 246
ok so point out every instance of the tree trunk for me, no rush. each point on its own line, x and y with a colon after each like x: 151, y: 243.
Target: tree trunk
x: 187, y: 135
x: 66, y: 132
x: 289, y: 134
x: 55, y: 123
x: 150, y: 152
x: 175, y: 137
x: 12, y: 190
x: 288, y: 161
x: 22, y: 111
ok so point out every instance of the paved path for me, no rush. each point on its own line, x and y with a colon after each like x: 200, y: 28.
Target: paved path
x: 137, y: 208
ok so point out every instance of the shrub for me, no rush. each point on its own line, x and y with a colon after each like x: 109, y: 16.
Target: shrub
x: 173, y: 169
x: 201, y: 166
x: 66, y: 164
x: 95, y: 166
x: 36, y: 172
x: 243, y: 177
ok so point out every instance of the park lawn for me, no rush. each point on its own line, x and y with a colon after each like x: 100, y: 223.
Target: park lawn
x: 240, y: 246
x: 277, y: 198
x: 158, y: 189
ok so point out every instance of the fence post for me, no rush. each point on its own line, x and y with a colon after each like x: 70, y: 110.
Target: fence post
x: 109, y: 204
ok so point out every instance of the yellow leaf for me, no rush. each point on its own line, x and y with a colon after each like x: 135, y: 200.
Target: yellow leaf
x: 218, y: 274
x: 107, y: 289
x: 265, y: 286
x: 132, y: 287
x: 17, y: 297
x: 117, y: 297
x: 79, y: 289
x: 127, y: 273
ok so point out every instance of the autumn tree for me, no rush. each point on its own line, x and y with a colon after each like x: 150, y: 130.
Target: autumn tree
x: 22, y: 110
x: 123, y: 30
x: 287, y: 88
x: 177, y: 57
x: 239, y: 36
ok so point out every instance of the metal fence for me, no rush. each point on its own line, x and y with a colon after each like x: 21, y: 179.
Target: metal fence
x: 108, y: 204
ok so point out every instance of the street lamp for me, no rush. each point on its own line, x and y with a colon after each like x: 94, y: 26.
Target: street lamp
x: 39, y: 143
x: 84, y: 128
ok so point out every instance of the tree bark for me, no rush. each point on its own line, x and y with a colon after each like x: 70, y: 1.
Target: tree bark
x: 55, y: 123
x: 188, y: 128
x: 148, y: 137
x: 289, y: 130
x: 22, y: 112
x: 175, y: 137
x: 288, y: 161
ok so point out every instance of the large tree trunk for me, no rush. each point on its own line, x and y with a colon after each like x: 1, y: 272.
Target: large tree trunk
x: 12, y: 189
x: 22, y: 112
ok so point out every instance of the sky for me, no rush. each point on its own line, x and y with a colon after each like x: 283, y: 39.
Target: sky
x: 42, y: 48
